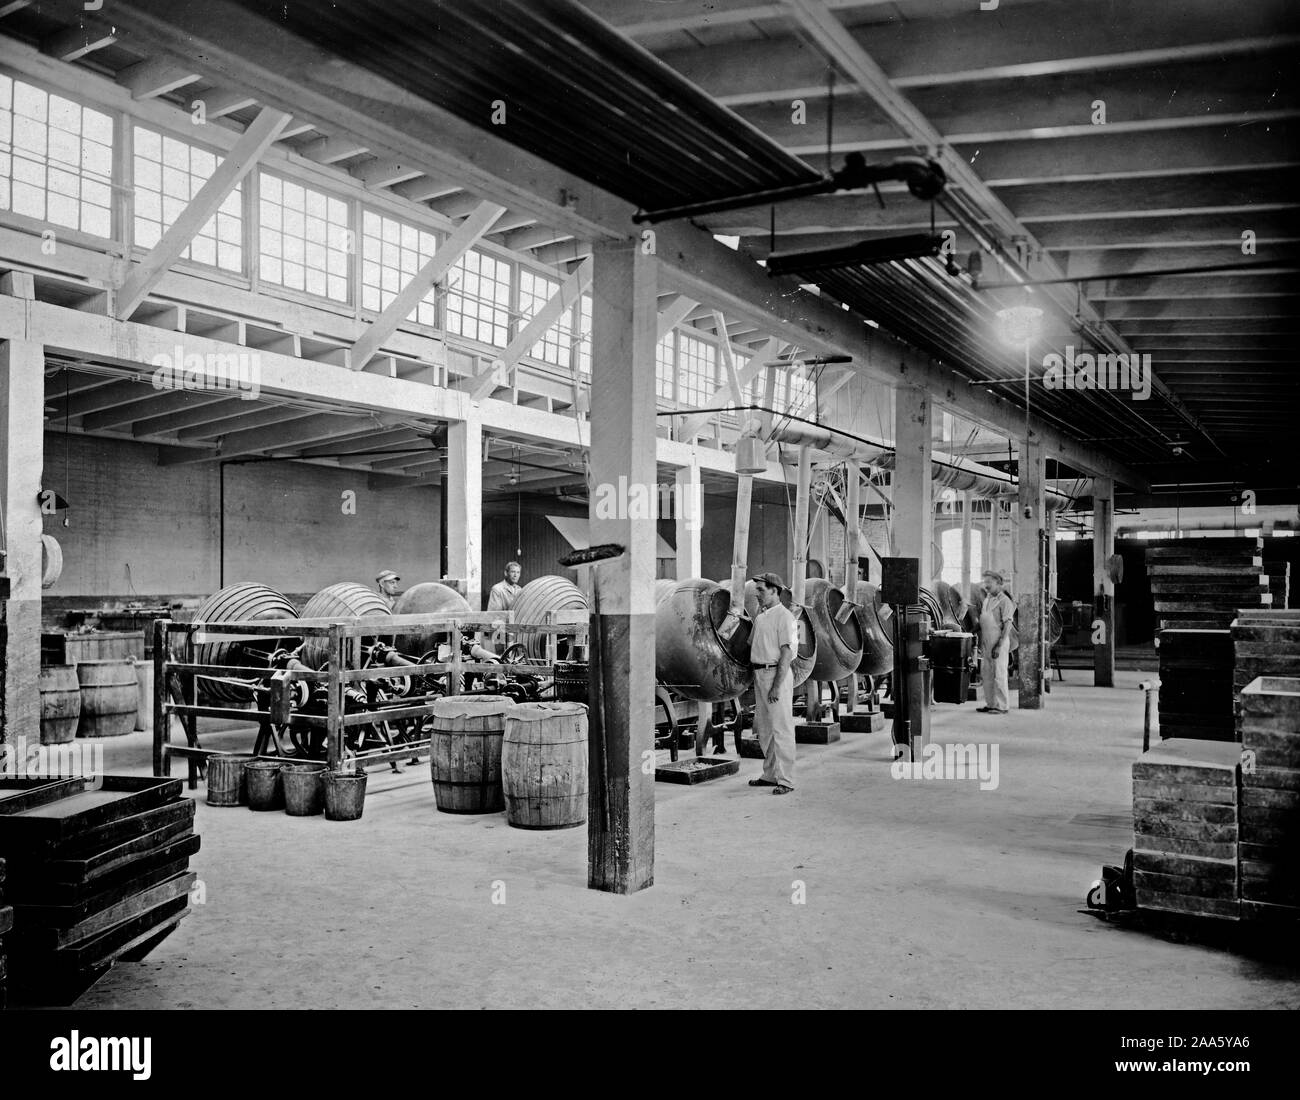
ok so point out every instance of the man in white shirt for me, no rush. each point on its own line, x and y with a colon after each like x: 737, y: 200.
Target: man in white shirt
x: 996, y: 617
x: 504, y: 593
x: 772, y: 648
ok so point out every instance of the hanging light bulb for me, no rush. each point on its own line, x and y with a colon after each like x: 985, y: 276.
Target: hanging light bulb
x: 1019, y: 325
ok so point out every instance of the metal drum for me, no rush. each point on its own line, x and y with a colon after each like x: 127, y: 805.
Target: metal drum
x: 839, y: 637
x: 346, y: 600
x: 430, y: 598
x: 244, y: 603
x: 877, y: 637
x: 536, y: 600
x: 691, y: 658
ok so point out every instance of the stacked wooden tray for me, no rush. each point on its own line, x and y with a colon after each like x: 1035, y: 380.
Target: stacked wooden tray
x: 1270, y: 799
x: 6, y: 923
x: 1196, y: 685
x: 1185, y: 828
x: 1207, y: 580
x: 1279, y: 583
x: 97, y: 870
x: 1264, y: 643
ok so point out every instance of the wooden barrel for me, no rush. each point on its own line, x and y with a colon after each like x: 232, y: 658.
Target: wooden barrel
x: 225, y: 778
x: 535, y: 601
x: 108, y: 698
x: 346, y: 600
x: 246, y: 603
x: 60, y: 704
x: 465, y: 754
x: 544, y: 765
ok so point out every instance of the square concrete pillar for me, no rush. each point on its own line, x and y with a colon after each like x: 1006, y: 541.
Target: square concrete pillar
x: 913, y: 512
x: 621, y: 796
x: 22, y: 402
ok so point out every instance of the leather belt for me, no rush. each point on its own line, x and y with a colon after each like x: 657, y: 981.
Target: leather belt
x: 777, y: 665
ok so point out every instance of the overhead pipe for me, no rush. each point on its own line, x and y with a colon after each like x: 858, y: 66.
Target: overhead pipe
x: 852, y: 507
x: 799, y: 585
x: 952, y: 472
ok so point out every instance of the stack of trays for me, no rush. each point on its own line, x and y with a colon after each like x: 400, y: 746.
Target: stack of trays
x: 1196, y: 685
x: 97, y: 870
x: 6, y: 923
x: 1207, y: 581
x: 1270, y: 799
x: 1185, y: 828
x: 1264, y: 643
x: 1279, y: 583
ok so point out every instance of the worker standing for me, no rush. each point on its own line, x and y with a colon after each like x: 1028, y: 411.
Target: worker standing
x: 387, y: 584
x: 504, y: 593
x: 772, y: 648
x: 997, y: 613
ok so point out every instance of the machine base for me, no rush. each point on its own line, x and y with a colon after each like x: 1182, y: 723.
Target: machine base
x: 816, y: 733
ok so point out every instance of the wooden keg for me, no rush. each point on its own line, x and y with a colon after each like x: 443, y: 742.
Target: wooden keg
x: 60, y: 704
x: 536, y: 600
x: 544, y: 765
x: 108, y: 698
x: 465, y: 754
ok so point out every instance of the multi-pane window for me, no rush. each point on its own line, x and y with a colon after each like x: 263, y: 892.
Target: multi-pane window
x: 304, y: 238
x: 56, y: 159
x: 534, y: 291
x: 167, y: 174
x: 584, y: 334
x: 478, y: 300
x: 392, y: 252
x: 794, y: 388
x: 697, y: 370
x: 665, y: 366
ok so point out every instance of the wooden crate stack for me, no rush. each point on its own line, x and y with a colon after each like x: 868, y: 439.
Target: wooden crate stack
x: 1264, y: 643
x: 6, y: 923
x: 1279, y: 583
x: 1196, y: 685
x: 1270, y: 799
x: 1207, y: 581
x: 1185, y: 828
x: 97, y: 870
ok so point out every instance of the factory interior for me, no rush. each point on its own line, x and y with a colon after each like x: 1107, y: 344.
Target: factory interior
x: 460, y: 460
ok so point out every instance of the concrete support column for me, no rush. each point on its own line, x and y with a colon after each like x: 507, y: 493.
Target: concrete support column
x: 689, y: 510
x: 1030, y: 559
x: 964, y: 586
x: 1103, y: 589
x: 913, y: 511
x: 22, y: 401
x: 464, y: 535
x: 621, y: 795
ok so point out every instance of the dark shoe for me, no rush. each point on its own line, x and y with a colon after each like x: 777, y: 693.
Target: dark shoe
x: 783, y: 790
x: 761, y: 783
x: 984, y: 710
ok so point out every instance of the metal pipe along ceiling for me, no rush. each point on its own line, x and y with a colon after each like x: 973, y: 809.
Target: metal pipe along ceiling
x: 949, y: 471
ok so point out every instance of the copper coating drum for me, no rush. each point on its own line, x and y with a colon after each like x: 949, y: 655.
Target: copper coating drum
x: 429, y: 598
x: 691, y: 657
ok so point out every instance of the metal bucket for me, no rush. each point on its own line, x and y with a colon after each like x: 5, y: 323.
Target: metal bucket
x: 264, y: 785
x: 345, y: 795
x: 304, y: 789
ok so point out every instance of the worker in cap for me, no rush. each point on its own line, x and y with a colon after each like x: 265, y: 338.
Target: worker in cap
x: 387, y: 582
x: 997, y: 613
x: 772, y: 648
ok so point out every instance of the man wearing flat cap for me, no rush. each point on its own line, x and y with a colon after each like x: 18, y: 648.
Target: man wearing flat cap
x: 772, y: 647
x: 997, y: 614
x: 386, y: 581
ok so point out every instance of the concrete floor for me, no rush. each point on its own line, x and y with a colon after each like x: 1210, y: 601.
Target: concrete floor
x: 919, y: 894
